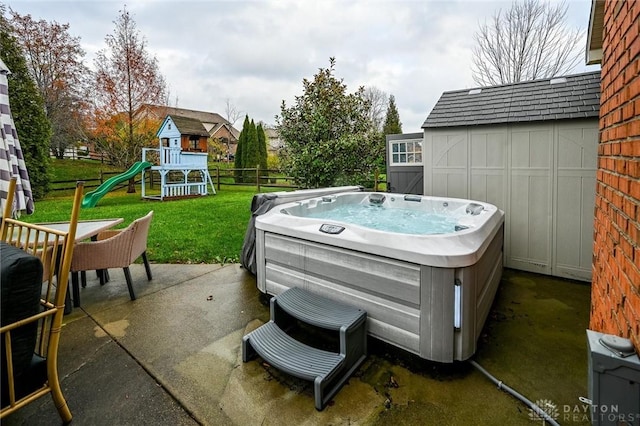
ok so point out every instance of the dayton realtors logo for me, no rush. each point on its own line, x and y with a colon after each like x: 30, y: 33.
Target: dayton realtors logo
x: 548, y: 410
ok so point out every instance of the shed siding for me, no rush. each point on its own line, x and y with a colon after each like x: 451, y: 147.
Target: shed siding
x: 542, y: 176
x: 575, y: 174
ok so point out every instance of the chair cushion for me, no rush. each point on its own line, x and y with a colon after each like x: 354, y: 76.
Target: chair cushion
x: 21, y: 283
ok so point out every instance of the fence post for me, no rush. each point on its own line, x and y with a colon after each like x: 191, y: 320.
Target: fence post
x: 218, y: 177
x: 258, y: 177
x: 376, y: 177
x: 101, y: 177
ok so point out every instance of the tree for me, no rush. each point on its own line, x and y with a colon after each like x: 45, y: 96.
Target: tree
x: 529, y: 41
x: 232, y: 114
x: 126, y: 79
x: 250, y: 152
x: 238, y: 162
x: 378, y: 101
x: 327, y: 133
x: 262, y: 150
x: 392, y: 124
x: 27, y: 109
x: 55, y: 61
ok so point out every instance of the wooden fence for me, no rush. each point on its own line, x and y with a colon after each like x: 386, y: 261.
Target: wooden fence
x: 260, y: 178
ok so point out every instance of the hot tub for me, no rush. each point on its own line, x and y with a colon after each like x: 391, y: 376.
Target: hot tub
x: 427, y: 291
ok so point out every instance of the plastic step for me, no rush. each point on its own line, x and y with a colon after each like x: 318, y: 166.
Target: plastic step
x: 318, y: 310
x: 285, y: 353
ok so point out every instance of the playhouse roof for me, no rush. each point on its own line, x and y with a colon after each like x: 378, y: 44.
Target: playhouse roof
x: 189, y: 126
x: 558, y: 98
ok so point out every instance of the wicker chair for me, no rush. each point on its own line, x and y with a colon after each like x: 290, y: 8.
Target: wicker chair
x: 116, y: 248
x: 31, y: 334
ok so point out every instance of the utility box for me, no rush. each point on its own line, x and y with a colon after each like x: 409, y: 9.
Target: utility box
x: 614, y: 380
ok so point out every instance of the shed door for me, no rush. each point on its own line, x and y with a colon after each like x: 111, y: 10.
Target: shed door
x: 405, y: 180
x: 530, y: 196
x: 576, y: 159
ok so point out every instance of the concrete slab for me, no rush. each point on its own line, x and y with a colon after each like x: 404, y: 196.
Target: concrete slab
x: 173, y: 357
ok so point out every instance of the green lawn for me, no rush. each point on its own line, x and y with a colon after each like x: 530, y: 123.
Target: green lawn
x: 208, y: 229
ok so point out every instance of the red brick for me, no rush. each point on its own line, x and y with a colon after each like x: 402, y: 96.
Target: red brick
x: 634, y: 189
x: 624, y: 184
x: 634, y: 12
x: 626, y: 250
x: 634, y: 235
x: 633, y: 168
x: 633, y: 47
x: 629, y: 207
x: 615, y: 148
x: 628, y: 111
x: 622, y: 131
x: 633, y: 88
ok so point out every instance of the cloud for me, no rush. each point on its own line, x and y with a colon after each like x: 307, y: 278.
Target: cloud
x: 256, y: 53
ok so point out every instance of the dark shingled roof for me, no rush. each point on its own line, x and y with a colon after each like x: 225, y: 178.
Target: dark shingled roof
x: 537, y: 100
x: 189, y: 126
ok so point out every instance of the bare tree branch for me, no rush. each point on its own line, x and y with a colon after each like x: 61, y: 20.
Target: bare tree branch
x: 527, y: 42
x: 379, y: 101
x: 232, y: 114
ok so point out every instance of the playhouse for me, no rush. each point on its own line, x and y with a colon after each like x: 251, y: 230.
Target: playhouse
x: 180, y: 159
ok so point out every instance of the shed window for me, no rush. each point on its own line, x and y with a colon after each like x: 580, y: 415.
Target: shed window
x: 406, y: 151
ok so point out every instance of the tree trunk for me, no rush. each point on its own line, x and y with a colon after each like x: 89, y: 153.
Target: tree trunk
x: 132, y: 186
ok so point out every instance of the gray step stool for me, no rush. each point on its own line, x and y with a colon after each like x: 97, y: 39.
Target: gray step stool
x: 328, y: 370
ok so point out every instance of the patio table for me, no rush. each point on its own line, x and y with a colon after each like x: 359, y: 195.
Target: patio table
x: 86, y: 229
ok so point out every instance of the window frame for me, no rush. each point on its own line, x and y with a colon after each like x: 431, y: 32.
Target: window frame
x: 406, y: 148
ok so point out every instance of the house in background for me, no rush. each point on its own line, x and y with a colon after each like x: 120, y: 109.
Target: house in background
x: 274, y: 143
x: 529, y: 148
x: 196, y: 123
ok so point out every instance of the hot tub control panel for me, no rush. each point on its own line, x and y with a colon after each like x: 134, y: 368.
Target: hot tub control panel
x: 331, y: 229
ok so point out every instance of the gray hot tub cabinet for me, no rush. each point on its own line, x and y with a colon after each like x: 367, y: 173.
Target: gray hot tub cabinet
x: 434, y: 312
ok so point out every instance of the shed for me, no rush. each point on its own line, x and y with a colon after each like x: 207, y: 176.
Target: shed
x: 530, y: 148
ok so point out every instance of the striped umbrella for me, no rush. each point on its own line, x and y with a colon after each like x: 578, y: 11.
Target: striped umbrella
x: 11, y: 159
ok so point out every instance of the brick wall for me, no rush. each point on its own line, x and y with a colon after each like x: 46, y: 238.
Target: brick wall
x: 615, y: 298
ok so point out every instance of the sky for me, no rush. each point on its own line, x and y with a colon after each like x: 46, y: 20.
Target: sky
x: 255, y: 54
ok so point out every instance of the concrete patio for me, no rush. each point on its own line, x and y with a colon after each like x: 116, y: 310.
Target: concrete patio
x: 173, y: 357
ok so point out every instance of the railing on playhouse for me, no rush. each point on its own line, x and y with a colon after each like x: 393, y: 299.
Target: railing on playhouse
x: 162, y: 156
x: 175, y: 168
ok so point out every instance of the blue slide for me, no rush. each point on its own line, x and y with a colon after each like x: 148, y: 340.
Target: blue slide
x: 91, y: 198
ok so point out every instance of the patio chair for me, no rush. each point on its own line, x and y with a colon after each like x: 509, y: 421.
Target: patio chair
x: 35, y: 262
x: 117, y: 248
